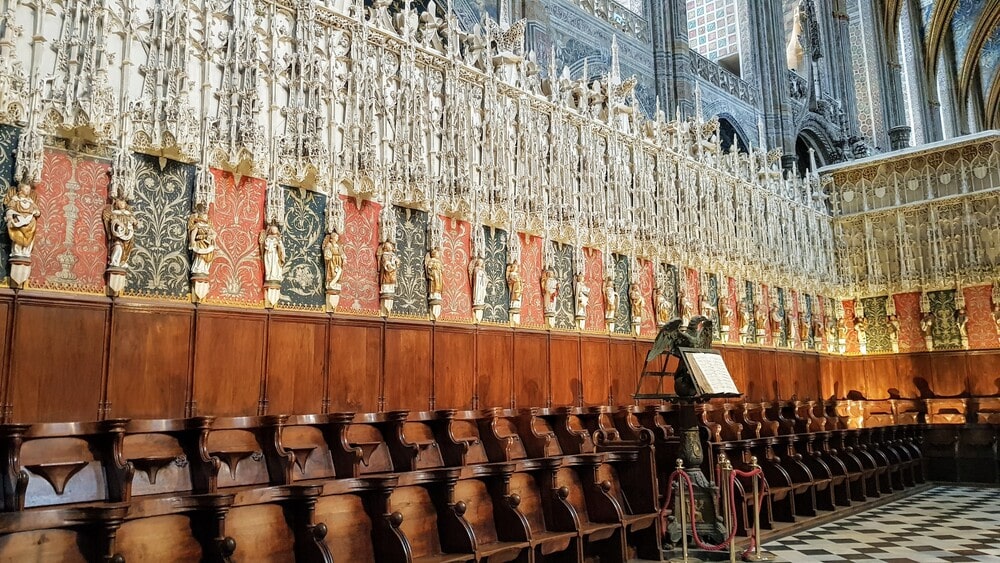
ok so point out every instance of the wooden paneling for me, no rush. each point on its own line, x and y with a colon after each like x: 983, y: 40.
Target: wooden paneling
x: 149, y: 367
x: 228, y: 363
x: 595, y: 369
x: 786, y: 373
x: 5, y: 311
x: 913, y: 375
x: 454, y: 368
x: 624, y: 371
x: 984, y: 373
x: 880, y: 377
x: 949, y: 374
x: 494, y: 368
x: 57, y: 361
x: 531, y: 369
x: 355, y: 370
x: 296, y: 365
x: 565, y: 386
x: 408, y: 380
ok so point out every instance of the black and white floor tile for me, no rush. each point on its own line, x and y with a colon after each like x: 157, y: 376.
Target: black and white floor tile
x: 941, y: 524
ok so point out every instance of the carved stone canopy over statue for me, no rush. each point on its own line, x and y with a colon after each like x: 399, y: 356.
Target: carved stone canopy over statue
x: 672, y: 337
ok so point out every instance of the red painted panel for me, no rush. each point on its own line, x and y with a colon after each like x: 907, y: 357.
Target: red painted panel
x: 360, y: 278
x: 911, y: 339
x: 455, y: 253
x: 531, y: 269
x: 853, y: 346
x: 70, y: 252
x: 595, y: 281
x: 646, y: 283
x: 238, y: 217
x: 981, y: 328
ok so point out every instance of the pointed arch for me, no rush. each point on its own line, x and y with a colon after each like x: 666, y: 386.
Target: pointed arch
x: 944, y: 11
x: 987, y: 23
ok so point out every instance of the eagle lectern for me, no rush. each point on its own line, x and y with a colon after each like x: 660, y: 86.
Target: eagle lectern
x: 700, y: 375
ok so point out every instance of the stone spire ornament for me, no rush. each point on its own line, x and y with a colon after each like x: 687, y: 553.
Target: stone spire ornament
x: 272, y: 248
x: 477, y: 272
x: 119, y: 222
x: 20, y: 210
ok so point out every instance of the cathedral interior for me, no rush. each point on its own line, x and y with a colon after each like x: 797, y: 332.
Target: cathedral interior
x: 499, y: 280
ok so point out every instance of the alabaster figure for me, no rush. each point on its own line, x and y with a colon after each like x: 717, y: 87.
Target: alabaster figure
x: 201, y: 242
x: 894, y: 332
x: 861, y: 327
x: 388, y: 266
x: 582, y: 292
x: 610, y: 302
x: 119, y: 225
x: 272, y: 252
x: 550, y: 290
x: 333, y: 258
x: 515, y: 284
x: 962, y: 320
x: 477, y: 278
x: 21, y: 215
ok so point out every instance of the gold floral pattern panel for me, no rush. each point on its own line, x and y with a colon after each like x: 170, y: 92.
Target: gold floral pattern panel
x: 411, y: 245
x: 302, y: 286
x: 359, y: 293
x: 455, y: 254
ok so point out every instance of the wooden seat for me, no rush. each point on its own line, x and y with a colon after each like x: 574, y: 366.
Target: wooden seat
x: 598, y: 517
x: 499, y: 529
x: 420, y: 527
x: 550, y: 524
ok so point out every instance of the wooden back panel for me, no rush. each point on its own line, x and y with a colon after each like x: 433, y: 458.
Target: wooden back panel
x: 62, y: 463
x: 159, y: 467
x: 349, y: 537
x: 312, y: 454
x: 165, y: 539
x: 429, y: 452
x: 419, y: 519
x: 469, y: 430
x: 242, y: 457
x: 261, y: 534
x: 568, y: 478
x: 524, y: 485
x: 479, y: 509
x: 42, y: 546
x: 370, y: 439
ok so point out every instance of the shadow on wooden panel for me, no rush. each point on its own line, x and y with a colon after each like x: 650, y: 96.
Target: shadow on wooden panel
x: 984, y: 373
x: 454, y: 364
x: 565, y: 387
x: 913, y: 374
x: 296, y: 365
x: 148, y: 372
x: 880, y: 377
x: 494, y: 368
x: 949, y: 374
x: 595, y: 370
x: 623, y: 368
x: 228, y: 363
x: 355, y: 365
x: 531, y: 369
x: 408, y: 381
x: 57, y: 363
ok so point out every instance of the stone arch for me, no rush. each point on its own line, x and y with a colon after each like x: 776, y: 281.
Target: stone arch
x: 812, y: 135
x: 730, y: 128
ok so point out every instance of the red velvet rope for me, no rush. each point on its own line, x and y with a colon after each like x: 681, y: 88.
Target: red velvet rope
x: 681, y: 474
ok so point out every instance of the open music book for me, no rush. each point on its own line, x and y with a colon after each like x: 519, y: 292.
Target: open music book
x: 709, y: 372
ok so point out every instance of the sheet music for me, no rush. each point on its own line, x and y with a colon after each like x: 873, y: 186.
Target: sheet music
x: 711, y: 372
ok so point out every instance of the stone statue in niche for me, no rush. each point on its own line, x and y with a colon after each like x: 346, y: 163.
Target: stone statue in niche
x: 746, y: 336
x: 434, y: 271
x: 638, y: 303
x: 388, y: 264
x: 334, y: 260
x: 550, y: 290
x: 201, y: 243
x: 962, y: 320
x: 119, y: 227
x: 21, y: 218
x: 894, y: 332
x: 582, y: 300
x: 477, y: 279
x: 272, y: 252
x: 861, y: 327
x: 610, y: 302
x: 662, y: 308
x: 516, y: 286
x: 926, y: 326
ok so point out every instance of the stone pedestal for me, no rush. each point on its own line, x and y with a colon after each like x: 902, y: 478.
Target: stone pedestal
x: 332, y: 297
x: 20, y: 270
x: 116, y: 280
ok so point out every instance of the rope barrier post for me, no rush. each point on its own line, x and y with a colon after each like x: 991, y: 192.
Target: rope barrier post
x: 758, y: 554
x: 725, y: 496
x: 683, y: 504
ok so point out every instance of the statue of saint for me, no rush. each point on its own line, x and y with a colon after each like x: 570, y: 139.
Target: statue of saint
x: 120, y: 225
x: 610, y: 298
x: 388, y: 263
x: 477, y: 277
x: 333, y: 257
x: 514, y: 283
x: 550, y: 289
x: 582, y: 297
x: 434, y: 269
x: 272, y: 251
x: 637, y: 300
x: 201, y: 242
x: 21, y: 215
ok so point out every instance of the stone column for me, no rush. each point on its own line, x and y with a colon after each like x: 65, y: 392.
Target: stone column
x: 671, y: 66
x: 841, y: 67
x: 887, y: 53
x: 768, y: 28
x: 926, y: 94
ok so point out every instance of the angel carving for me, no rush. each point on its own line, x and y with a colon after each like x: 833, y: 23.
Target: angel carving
x: 272, y: 251
x: 21, y: 215
x: 119, y: 226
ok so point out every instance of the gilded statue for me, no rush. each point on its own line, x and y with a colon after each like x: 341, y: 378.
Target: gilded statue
x: 119, y: 225
x: 582, y: 297
x: 610, y: 298
x: 201, y: 241
x: 434, y: 270
x: 514, y: 282
x: 272, y: 251
x: 637, y: 300
x: 21, y: 217
x: 333, y: 258
x: 550, y: 290
x: 388, y: 264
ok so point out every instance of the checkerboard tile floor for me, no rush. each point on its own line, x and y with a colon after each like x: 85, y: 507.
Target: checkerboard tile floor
x: 941, y: 524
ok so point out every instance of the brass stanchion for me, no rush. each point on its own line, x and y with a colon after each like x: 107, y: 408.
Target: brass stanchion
x: 724, y: 496
x: 758, y: 554
x: 683, y: 503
